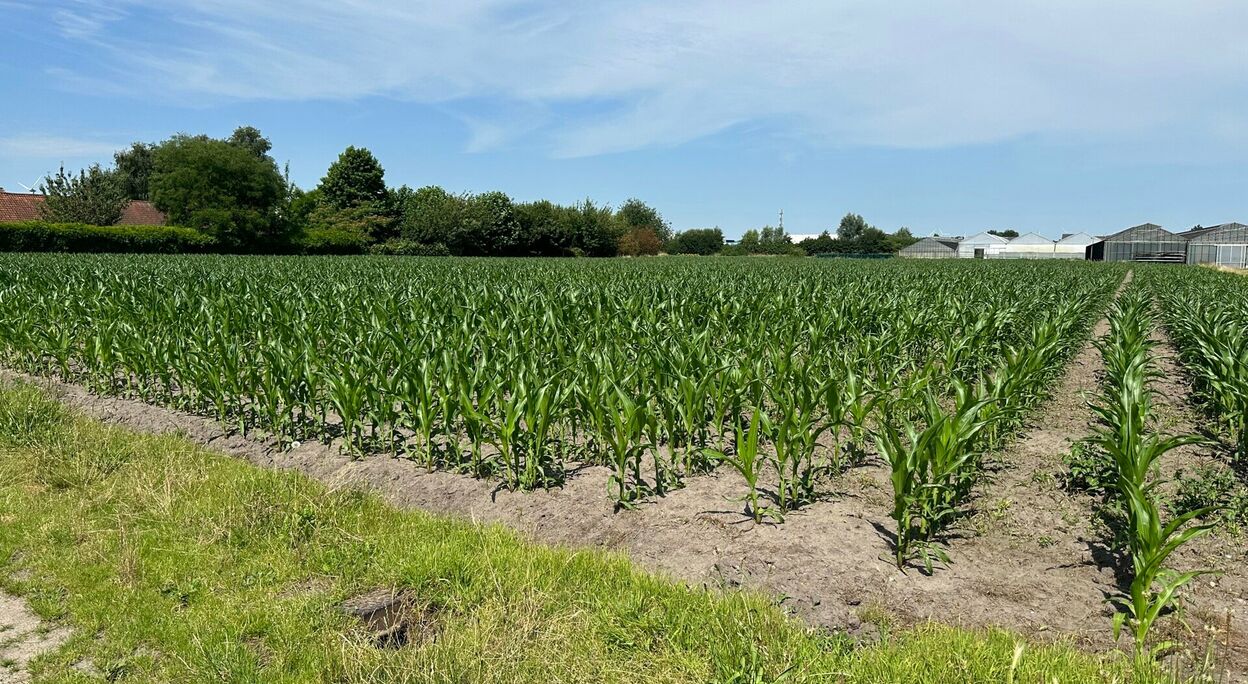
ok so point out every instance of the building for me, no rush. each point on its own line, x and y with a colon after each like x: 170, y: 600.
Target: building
x: 1073, y: 245
x: 18, y: 206
x: 982, y: 246
x: 931, y: 248
x: 1147, y: 242
x: 1029, y: 246
x: 1223, y: 245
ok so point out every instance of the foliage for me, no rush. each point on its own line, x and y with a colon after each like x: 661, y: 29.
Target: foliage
x: 401, y: 247
x: 1009, y: 233
x: 635, y: 214
x: 249, y: 138
x: 370, y: 222
x: 640, y: 242
x: 221, y: 189
x: 95, y: 196
x: 1212, y: 488
x: 852, y: 227
x: 769, y: 240
x: 134, y: 167
x: 330, y: 241
x: 244, y: 570
x: 703, y: 241
x: 355, y: 178
x: 1124, y: 409
x: 1087, y: 470
x: 39, y: 236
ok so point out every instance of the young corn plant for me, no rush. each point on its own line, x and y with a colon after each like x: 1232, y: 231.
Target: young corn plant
x: 1125, y: 435
x: 749, y: 461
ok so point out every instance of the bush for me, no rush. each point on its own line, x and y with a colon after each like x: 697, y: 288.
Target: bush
x: 41, y: 236
x: 1212, y: 486
x: 409, y: 248
x: 330, y: 241
x: 1088, y: 470
x: 704, y: 241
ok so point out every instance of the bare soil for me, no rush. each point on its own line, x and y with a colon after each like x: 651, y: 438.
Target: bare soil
x: 1032, y: 558
x: 23, y: 637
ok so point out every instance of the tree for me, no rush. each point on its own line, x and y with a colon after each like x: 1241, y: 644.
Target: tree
x: 134, y: 169
x: 640, y: 242
x: 95, y: 196
x: 431, y: 216
x: 355, y: 178
x: 543, y: 230
x: 704, y: 241
x: 250, y: 139
x: 824, y: 244
x: 852, y: 227
x: 750, y: 241
x: 1010, y: 233
x: 593, y: 229
x: 491, y: 228
x: 637, y: 214
x: 219, y: 188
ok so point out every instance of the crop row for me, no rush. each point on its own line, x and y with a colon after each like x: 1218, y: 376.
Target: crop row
x: 511, y: 369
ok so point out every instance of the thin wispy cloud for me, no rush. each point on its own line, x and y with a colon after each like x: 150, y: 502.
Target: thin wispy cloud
x: 594, y: 78
x: 55, y: 147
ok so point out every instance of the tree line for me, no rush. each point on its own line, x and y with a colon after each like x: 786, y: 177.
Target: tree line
x: 233, y: 191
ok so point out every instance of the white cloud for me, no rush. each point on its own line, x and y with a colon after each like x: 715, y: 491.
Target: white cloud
x: 55, y: 147
x: 625, y: 74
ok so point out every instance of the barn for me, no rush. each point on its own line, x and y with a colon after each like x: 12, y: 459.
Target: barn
x: 931, y: 248
x: 1223, y: 245
x: 1147, y: 242
x: 982, y: 246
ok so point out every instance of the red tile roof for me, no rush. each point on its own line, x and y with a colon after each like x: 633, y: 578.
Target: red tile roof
x: 141, y: 213
x: 17, y: 206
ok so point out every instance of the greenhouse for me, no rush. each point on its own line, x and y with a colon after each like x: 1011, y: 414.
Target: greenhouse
x: 1146, y: 242
x: 1029, y: 246
x: 1224, y: 245
x: 931, y: 248
x: 1073, y: 245
x: 982, y: 246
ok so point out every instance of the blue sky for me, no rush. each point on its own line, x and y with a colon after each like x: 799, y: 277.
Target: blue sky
x: 951, y: 117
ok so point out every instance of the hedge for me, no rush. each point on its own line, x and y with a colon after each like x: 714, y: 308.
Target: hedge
x: 40, y: 236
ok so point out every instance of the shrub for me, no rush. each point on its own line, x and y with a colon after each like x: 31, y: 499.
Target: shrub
x: 330, y: 241
x: 41, y: 236
x: 1088, y: 470
x: 1210, y: 486
x: 409, y: 248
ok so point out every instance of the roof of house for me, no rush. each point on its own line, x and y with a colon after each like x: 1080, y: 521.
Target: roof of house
x: 18, y: 206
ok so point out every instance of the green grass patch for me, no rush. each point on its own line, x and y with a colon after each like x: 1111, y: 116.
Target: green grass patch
x: 172, y: 563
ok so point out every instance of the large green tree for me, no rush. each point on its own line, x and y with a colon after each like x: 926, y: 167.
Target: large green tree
x: 220, y: 188
x: 355, y: 178
x: 636, y: 214
x: 95, y: 196
x: 134, y: 169
x: 249, y: 138
x: 852, y: 227
x: 704, y: 241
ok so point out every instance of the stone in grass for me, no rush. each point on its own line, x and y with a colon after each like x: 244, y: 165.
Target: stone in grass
x: 393, y: 618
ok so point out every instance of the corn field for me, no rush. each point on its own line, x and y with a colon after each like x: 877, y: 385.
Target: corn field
x: 785, y: 372
x: 1206, y: 315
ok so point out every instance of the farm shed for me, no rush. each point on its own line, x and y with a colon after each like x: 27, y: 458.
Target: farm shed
x: 1224, y: 245
x: 1029, y: 246
x: 982, y: 246
x: 931, y: 248
x: 1073, y: 245
x: 1145, y: 242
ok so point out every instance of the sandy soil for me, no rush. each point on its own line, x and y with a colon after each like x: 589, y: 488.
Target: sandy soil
x: 23, y: 637
x: 1031, y: 558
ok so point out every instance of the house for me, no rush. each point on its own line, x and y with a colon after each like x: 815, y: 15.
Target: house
x: 982, y: 246
x: 1147, y: 242
x: 1224, y: 245
x: 931, y: 248
x: 24, y: 206
x: 1029, y: 246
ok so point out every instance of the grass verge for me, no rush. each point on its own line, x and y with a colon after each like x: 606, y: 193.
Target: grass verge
x: 172, y: 563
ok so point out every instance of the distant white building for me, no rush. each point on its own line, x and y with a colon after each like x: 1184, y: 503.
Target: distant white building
x: 982, y: 246
x: 1029, y: 246
x: 1074, y: 245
